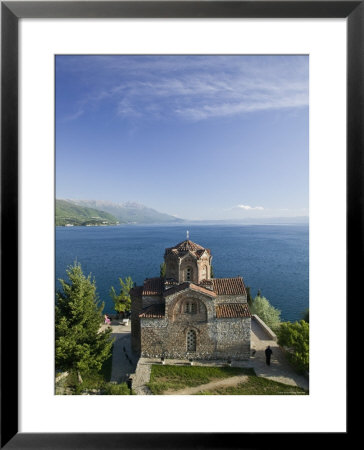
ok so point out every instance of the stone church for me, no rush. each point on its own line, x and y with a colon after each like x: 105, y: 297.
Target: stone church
x: 188, y: 314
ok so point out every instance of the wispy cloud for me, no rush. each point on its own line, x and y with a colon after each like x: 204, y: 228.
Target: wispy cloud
x: 193, y: 88
x: 73, y: 116
x: 250, y: 208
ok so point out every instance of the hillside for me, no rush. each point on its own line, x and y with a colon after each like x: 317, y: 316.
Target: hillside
x: 129, y: 212
x: 68, y: 213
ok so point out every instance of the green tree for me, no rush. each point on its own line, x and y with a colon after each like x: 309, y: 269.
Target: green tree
x: 122, y: 301
x: 262, y: 308
x: 295, y: 336
x: 80, y: 347
x: 211, y: 272
x: 162, y: 273
x: 306, y: 315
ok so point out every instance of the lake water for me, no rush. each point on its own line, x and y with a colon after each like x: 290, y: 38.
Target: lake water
x: 272, y: 258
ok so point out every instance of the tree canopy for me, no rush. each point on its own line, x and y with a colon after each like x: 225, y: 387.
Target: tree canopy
x: 295, y: 336
x: 122, y: 301
x: 262, y: 308
x: 80, y: 346
x: 162, y: 272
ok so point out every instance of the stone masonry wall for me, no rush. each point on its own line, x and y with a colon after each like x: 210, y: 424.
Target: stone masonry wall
x: 231, y: 299
x: 172, y: 267
x: 218, y: 339
x: 173, y: 301
x: 191, y: 262
x: 233, y: 338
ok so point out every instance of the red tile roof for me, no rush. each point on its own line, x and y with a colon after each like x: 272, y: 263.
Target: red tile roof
x: 226, y: 286
x: 187, y: 246
x: 186, y: 285
x: 232, y: 310
x: 170, y: 282
x: 153, y: 312
x: 220, y: 286
x: 153, y: 286
x: 208, y: 284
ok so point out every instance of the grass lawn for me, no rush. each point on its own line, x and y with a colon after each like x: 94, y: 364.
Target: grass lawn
x: 174, y: 378
x: 167, y: 377
x: 257, y: 386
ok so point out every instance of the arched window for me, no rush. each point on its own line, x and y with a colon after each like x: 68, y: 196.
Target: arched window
x: 191, y: 341
x: 190, y: 308
x: 188, y: 274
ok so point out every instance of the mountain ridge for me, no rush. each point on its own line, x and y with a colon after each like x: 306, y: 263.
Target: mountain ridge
x: 69, y: 214
x: 128, y: 212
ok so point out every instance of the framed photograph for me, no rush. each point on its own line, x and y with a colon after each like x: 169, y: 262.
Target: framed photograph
x: 164, y: 98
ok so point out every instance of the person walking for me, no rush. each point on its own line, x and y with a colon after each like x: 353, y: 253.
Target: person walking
x: 268, y: 354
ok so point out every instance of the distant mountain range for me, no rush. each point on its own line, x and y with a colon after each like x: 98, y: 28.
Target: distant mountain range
x: 127, y: 212
x: 295, y: 220
x: 97, y: 212
x: 70, y: 214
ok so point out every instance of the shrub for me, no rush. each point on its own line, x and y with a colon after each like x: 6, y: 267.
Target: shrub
x: 116, y: 389
x: 295, y: 336
x: 262, y: 308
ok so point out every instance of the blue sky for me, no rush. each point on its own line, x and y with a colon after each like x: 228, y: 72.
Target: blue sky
x: 199, y: 137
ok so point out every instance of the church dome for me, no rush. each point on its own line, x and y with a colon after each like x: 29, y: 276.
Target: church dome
x: 188, y: 261
x: 187, y: 246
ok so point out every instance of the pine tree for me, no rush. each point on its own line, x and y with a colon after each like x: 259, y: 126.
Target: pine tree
x: 80, y: 347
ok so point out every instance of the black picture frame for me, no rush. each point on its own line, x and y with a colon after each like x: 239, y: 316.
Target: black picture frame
x: 11, y: 12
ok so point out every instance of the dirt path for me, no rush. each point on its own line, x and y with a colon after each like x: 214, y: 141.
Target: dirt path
x: 142, y: 377
x: 226, y: 382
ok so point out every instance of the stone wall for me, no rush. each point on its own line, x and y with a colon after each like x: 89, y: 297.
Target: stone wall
x: 176, y: 267
x: 217, y: 339
x: 175, y: 301
x: 172, y: 267
x: 233, y: 337
x: 214, y: 338
x: 264, y: 327
x: 231, y: 299
x: 190, y: 262
x: 204, y: 268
